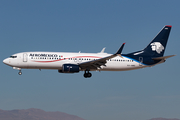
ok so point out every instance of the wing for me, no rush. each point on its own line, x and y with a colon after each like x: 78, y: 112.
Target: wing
x: 95, y: 64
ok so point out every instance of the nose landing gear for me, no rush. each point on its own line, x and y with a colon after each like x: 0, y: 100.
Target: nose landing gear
x: 87, y: 74
x: 20, y: 73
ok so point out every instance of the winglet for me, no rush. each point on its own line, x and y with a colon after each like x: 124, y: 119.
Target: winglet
x: 120, y: 50
x: 102, y: 51
x: 168, y: 26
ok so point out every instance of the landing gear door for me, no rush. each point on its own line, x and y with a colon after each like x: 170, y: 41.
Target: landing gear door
x: 25, y: 57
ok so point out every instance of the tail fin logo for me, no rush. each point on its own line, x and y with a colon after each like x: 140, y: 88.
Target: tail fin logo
x: 157, y: 46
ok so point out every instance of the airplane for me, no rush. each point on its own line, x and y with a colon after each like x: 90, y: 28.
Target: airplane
x: 66, y: 62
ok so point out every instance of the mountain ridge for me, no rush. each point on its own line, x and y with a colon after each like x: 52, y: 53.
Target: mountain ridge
x: 35, y: 114
x: 164, y: 118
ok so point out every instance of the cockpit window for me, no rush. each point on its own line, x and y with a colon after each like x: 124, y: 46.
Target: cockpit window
x: 13, y: 56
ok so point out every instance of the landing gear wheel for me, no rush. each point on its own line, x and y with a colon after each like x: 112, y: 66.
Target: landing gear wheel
x: 87, y: 74
x: 20, y: 73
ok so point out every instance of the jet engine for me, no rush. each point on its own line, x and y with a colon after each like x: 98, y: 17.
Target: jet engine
x: 69, y: 68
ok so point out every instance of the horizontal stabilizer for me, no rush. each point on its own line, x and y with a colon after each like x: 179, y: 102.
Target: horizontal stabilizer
x: 163, y: 58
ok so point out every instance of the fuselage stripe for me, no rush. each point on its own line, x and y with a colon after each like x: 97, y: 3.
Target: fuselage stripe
x: 134, y: 60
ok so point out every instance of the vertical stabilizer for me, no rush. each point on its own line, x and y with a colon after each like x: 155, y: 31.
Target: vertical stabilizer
x: 157, y: 46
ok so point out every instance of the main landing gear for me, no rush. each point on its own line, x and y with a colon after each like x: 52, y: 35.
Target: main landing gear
x: 87, y: 74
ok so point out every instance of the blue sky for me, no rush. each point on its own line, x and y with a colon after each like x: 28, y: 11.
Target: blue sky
x: 88, y: 26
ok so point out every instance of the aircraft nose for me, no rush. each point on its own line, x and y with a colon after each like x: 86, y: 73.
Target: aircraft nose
x: 5, y: 61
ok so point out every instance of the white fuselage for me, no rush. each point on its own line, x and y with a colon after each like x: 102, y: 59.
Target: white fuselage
x: 55, y: 60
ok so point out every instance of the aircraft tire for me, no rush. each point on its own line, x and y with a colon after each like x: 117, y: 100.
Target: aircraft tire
x: 20, y: 73
x: 87, y: 75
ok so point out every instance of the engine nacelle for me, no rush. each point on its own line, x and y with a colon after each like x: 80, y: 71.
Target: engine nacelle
x: 69, y: 68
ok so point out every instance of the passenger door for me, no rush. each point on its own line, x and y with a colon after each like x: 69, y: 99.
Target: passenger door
x: 25, y: 57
